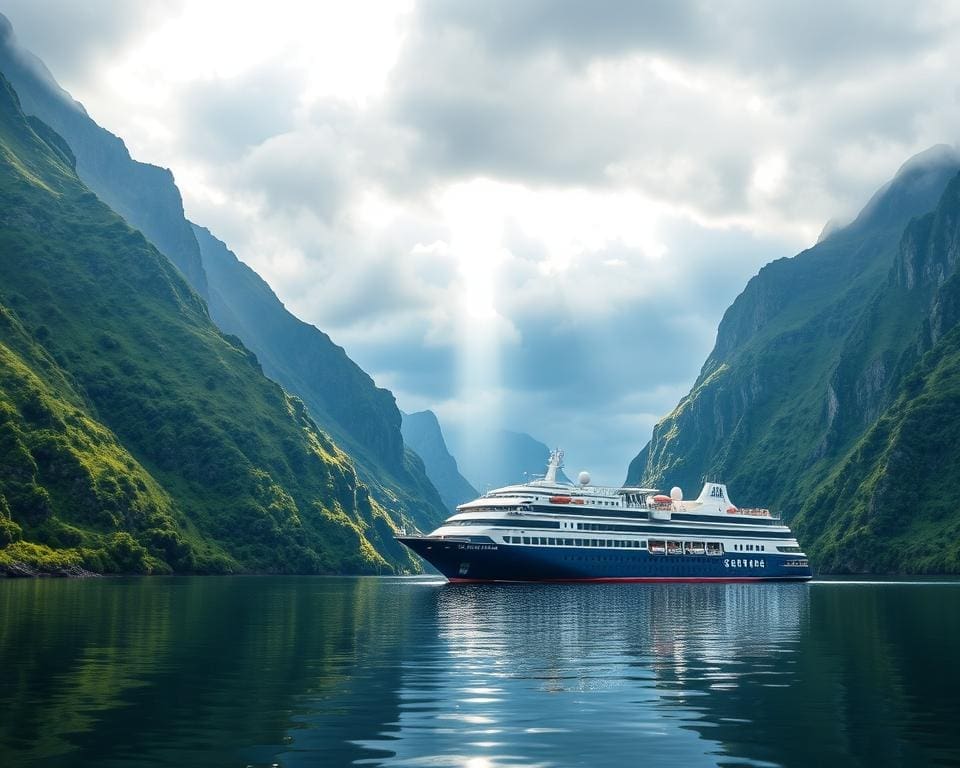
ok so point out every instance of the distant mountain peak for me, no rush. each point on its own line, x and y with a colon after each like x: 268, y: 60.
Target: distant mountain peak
x: 422, y: 432
x: 914, y: 189
x: 938, y: 155
x: 35, y: 66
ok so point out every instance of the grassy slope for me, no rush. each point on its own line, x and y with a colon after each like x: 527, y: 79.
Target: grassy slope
x: 66, y: 479
x: 228, y: 462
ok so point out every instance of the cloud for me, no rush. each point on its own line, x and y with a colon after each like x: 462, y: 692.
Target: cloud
x: 219, y: 119
x: 73, y: 39
x: 527, y: 213
x: 774, y: 41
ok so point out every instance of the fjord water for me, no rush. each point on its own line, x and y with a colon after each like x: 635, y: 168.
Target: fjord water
x: 247, y: 671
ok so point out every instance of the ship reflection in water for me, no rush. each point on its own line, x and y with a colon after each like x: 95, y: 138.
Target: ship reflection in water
x: 597, y: 675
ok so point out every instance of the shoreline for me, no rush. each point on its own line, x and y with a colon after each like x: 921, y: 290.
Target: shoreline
x: 19, y: 571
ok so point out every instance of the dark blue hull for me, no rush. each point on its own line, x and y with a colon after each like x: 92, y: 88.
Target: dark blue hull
x: 471, y: 561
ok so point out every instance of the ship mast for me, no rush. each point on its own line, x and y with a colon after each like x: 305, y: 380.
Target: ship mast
x: 555, y: 464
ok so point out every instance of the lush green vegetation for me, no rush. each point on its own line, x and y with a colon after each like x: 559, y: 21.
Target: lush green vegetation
x: 818, y: 400
x: 891, y: 504
x: 362, y: 418
x: 342, y: 399
x: 135, y: 436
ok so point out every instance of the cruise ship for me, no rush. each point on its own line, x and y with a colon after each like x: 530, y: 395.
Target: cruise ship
x: 551, y: 530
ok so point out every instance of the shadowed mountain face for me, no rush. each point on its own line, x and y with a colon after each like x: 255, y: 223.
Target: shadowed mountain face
x: 134, y: 434
x: 362, y: 418
x: 340, y: 397
x: 421, y: 431
x: 143, y: 194
x: 818, y: 365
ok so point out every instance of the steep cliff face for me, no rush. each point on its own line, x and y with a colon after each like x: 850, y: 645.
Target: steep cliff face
x: 815, y: 350
x: 345, y: 401
x: 143, y: 194
x: 299, y: 356
x: 421, y: 431
x: 135, y: 436
x: 363, y: 418
x: 891, y: 503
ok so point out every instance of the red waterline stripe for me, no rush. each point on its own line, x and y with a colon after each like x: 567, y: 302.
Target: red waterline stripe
x: 633, y: 579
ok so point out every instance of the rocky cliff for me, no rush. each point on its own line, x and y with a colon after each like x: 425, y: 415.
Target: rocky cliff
x: 813, y: 352
x: 421, y: 431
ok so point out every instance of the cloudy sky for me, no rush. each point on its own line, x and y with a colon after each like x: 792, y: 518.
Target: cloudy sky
x: 520, y: 213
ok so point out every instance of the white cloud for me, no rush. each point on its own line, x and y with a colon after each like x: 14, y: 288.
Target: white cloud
x: 534, y: 213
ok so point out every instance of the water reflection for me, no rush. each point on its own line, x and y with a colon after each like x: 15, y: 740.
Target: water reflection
x: 397, y: 672
x: 596, y: 675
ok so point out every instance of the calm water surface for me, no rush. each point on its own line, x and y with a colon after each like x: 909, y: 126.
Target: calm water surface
x: 413, y: 672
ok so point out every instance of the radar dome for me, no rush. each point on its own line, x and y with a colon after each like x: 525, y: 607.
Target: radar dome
x: 584, y: 478
x: 676, y: 493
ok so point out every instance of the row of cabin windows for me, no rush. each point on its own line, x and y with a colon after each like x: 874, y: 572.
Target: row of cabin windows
x: 606, y: 527
x: 656, y: 547
x: 698, y: 547
x: 551, y: 542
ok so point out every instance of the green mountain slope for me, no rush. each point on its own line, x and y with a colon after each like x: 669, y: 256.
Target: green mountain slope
x: 144, y: 195
x: 421, y: 431
x: 807, y: 359
x: 362, y: 418
x: 136, y: 436
x: 891, y: 505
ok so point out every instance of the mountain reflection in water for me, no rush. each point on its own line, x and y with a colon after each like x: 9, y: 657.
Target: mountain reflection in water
x: 397, y: 672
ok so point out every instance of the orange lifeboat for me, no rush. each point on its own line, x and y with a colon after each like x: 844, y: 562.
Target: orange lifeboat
x: 577, y: 501
x: 560, y: 499
x: 661, y: 498
x: 732, y: 510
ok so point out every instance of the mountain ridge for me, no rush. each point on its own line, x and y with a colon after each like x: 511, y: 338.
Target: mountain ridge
x: 101, y: 155
x: 343, y: 399
x: 814, y: 348
x: 422, y: 432
x: 135, y: 435
x: 364, y: 419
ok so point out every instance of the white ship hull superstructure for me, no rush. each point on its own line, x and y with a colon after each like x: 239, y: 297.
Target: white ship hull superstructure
x: 547, y: 530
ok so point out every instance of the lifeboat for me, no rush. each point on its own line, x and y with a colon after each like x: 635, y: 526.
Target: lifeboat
x: 731, y: 510
x: 560, y: 500
x: 577, y: 501
x: 661, y: 498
